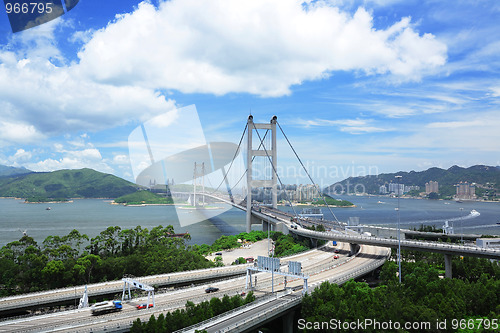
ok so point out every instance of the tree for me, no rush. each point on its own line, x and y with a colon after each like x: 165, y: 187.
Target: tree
x: 433, y: 196
x: 86, y: 264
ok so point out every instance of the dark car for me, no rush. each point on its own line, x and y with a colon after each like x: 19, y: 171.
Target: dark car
x: 218, y: 254
x: 336, y: 250
x: 211, y: 290
x: 143, y: 306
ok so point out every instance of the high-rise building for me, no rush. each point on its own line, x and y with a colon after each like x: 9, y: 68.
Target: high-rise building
x: 382, y: 189
x: 466, y: 191
x: 397, y: 188
x: 431, y: 186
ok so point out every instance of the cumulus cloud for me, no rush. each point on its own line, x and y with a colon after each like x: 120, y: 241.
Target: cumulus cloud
x: 257, y: 47
x: 14, y: 131
x: 72, y: 159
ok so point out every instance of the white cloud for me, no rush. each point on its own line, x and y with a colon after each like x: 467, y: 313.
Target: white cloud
x: 76, y: 159
x: 121, y: 159
x: 257, y: 47
x: 12, y: 132
x: 21, y: 156
x: 352, y: 126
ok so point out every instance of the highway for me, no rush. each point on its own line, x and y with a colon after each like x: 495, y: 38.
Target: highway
x: 55, y: 296
x: 253, y: 316
x: 318, y: 264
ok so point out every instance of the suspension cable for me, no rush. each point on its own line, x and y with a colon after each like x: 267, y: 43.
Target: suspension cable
x: 319, y: 189
x: 234, y: 157
x: 276, y: 172
x: 253, y: 158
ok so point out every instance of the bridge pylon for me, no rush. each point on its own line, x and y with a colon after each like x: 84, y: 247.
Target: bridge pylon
x: 268, y: 152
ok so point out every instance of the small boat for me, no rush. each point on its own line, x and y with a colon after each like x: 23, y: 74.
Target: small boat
x: 48, y: 208
x: 380, y: 202
x: 474, y: 213
x: 498, y: 222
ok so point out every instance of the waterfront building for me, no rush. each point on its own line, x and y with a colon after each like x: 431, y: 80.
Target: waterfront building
x: 382, y: 189
x: 465, y: 191
x: 411, y: 188
x: 396, y: 188
x: 431, y: 186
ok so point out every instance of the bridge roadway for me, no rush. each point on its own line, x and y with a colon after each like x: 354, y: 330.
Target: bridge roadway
x: 275, y: 217
x: 355, y: 238
x: 57, y: 296
x: 267, y: 309
x: 318, y: 264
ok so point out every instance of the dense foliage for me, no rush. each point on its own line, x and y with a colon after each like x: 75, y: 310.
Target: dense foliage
x: 82, y: 183
x: 26, y: 266
x: 423, y: 296
x: 193, y: 314
x: 74, y: 259
x: 143, y: 197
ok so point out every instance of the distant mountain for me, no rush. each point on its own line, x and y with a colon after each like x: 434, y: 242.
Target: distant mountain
x: 11, y: 171
x: 82, y: 183
x: 480, y: 174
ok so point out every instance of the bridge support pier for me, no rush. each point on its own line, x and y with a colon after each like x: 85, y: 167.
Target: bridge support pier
x: 266, y: 226
x: 287, y: 321
x: 447, y: 266
x: 314, y: 242
x: 353, y: 249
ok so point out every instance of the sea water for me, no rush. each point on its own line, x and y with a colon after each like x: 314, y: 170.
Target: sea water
x: 91, y: 216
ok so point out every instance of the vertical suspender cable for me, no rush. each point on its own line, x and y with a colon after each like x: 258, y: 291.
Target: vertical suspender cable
x: 320, y: 191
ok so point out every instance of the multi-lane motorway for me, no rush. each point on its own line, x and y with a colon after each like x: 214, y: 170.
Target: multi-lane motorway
x: 319, y: 264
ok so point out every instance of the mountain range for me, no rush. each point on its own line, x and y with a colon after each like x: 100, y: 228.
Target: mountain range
x: 486, y: 176
x: 12, y: 171
x: 65, y: 184
x: 88, y: 183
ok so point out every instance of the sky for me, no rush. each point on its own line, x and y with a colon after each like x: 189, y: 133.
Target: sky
x: 359, y: 87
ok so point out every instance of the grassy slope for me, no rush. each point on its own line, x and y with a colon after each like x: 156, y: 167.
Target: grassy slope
x: 82, y: 183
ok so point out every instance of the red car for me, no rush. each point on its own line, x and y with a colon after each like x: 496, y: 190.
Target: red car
x: 143, y: 306
x: 335, y: 257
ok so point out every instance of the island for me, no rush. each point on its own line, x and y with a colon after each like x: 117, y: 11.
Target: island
x: 143, y: 198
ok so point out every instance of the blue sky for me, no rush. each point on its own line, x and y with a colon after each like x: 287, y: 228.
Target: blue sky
x: 360, y: 87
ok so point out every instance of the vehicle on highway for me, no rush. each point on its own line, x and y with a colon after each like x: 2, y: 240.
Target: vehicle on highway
x: 144, y: 306
x: 211, y: 290
x: 335, y: 257
x: 218, y: 254
x: 105, y: 307
x: 336, y: 250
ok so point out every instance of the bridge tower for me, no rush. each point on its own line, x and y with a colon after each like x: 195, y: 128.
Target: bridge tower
x: 269, y: 153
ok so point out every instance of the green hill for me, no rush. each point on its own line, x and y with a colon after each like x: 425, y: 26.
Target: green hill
x: 479, y: 174
x: 143, y: 197
x: 64, y: 184
x: 7, y: 171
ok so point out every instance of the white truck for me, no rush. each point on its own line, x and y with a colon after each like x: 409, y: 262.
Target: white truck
x: 105, y: 307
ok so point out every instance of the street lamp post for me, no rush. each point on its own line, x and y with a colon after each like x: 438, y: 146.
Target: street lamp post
x: 399, y: 228
x: 462, y: 224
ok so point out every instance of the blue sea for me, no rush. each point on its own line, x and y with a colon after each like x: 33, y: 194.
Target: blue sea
x: 91, y: 216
